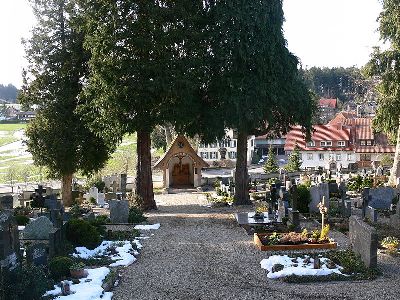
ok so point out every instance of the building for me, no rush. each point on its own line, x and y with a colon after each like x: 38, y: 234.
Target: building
x: 346, y: 141
x: 327, y: 109
x: 181, y: 165
x: 262, y: 145
x: 225, y: 149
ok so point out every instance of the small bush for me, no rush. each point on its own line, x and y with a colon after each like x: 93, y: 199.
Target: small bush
x: 136, y: 215
x: 22, y: 220
x: 82, y: 233
x: 99, y: 223
x: 92, y: 200
x: 27, y: 282
x: 59, y: 267
x: 304, y: 198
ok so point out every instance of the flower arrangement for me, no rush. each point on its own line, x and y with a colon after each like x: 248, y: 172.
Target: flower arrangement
x: 391, y: 243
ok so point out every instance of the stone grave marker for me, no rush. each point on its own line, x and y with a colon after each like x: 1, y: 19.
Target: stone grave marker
x: 7, y: 202
x: 51, y: 202
x: 9, y: 240
x: 37, y: 254
x: 93, y: 193
x: 371, y: 214
x: 124, y: 181
x: 381, y: 197
x: 119, y: 211
x: 101, y: 199
x: 38, y: 229
x: 317, y: 193
x: 364, y: 241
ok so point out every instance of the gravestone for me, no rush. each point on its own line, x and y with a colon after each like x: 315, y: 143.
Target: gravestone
x: 119, y: 211
x: 9, y: 240
x: 51, y: 202
x: 342, y: 192
x: 364, y: 240
x: 284, y: 196
x: 294, y: 196
x: 38, y: 229
x: 7, y: 202
x: 56, y: 217
x: 111, y: 196
x: 333, y: 188
x: 93, y: 193
x: 371, y: 214
x: 317, y: 193
x: 347, y: 209
x: 124, y: 181
x: 381, y: 197
x: 294, y: 218
x: 37, y: 254
x: 365, y: 200
x: 101, y: 199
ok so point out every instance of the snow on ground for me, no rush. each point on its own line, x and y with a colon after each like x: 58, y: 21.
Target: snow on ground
x: 122, y: 252
x: 148, y: 227
x: 302, y: 268
x: 20, y: 228
x: 88, y: 288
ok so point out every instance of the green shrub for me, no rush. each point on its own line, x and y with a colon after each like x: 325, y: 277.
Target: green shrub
x: 99, y: 223
x: 75, y: 211
x: 22, y: 220
x: 304, y: 198
x: 92, y: 200
x: 136, y: 215
x: 82, y: 233
x: 59, y: 267
x: 27, y: 282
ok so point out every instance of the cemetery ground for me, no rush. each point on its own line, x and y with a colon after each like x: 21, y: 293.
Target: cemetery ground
x: 201, y: 253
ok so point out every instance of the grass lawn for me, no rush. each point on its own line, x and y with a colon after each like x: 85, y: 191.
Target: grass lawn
x: 12, y: 127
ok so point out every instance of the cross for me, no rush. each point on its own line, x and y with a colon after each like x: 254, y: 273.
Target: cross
x: 323, y: 210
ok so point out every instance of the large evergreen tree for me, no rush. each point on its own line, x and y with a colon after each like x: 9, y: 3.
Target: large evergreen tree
x: 271, y: 165
x: 253, y: 76
x: 140, y: 72
x: 386, y: 64
x: 294, y: 160
x: 58, y: 137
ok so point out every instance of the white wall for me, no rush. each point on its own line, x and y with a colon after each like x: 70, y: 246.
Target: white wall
x: 315, y: 162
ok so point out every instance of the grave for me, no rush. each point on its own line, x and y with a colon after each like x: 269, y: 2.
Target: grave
x: 317, y: 193
x: 371, y: 214
x: 364, y: 240
x: 38, y: 229
x: 51, y: 202
x: 101, y: 197
x: 381, y: 197
x: 9, y: 240
x: 111, y: 196
x: 7, y: 202
x: 119, y: 211
x: 37, y: 254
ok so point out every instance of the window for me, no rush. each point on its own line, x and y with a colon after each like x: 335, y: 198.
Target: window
x: 369, y: 143
x: 224, y: 143
x: 341, y: 143
x: 311, y: 144
x: 349, y: 156
x: 252, y: 143
x: 202, y: 145
x: 309, y: 156
x: 214, y: 155
x: 321, y: 156
x: 362, y: 143
x: 213, y: 145
x: 331, y: 156
x: 338, y: 156
x: 204, y: 155
x: 326, y: 143
x: 233, y: 144
x: 232, y: 155
x: 365, y: 157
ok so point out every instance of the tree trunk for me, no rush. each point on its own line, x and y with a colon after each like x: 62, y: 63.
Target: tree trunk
x: 241, y: 174
x: 144, y: 181
x: 67, y: 190
x: 395, y: 171
x: 168, y: 134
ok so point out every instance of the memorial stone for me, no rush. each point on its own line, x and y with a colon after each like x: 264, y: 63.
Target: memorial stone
x: 38, y: 229
x: 119, y: 211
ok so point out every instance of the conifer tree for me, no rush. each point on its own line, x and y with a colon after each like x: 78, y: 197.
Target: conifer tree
x: 271, y: 165
x: 294, y: 160
x: 386, y: 65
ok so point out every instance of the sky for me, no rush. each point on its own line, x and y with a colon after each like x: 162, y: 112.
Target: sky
x: 330, y: 33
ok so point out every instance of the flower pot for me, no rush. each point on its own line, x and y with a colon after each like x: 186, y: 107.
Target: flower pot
x: 78, y: 273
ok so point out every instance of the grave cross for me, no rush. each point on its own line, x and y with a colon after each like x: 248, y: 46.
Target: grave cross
x: 323, y: 210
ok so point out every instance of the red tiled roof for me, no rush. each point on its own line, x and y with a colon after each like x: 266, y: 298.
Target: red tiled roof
x: 341, y: 117
x: 364, y: 133
x: 332, y: 103
x: 376, y: 149
x: 320, y: 133
x: 358, y: 122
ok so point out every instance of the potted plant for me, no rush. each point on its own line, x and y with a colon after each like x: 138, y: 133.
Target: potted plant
x: 260, y: 211
x: 77, y: 270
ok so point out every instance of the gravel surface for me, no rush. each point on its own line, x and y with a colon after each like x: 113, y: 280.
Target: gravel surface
x: 200, y: 253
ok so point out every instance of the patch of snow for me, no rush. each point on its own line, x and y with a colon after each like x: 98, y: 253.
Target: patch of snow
x: 302, y: 269
x: 148, y: 227
x: 91, y: 290
x: 20, y: 228
x: 124, y: 254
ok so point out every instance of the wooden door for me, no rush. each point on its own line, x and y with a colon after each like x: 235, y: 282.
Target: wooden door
x: 181, y: 174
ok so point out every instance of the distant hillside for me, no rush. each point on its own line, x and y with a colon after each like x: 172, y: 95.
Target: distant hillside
x: 8, y: 93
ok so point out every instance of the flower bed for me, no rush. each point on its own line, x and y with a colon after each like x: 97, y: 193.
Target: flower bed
x: 290, y: 241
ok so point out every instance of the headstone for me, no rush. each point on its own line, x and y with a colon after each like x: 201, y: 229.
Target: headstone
x: 56, y: 217
x: 9, y: 240
x: 119, y: 211
x: 364, y: 240
x: 114, y: 187
x: 333, y: 188
x: 124, y: 181
x: 347, y: 209
x: 381, y: 197
x: 294, y: 218
x: 7, y: 202
x: 295, y: 196
x: 365, y: 200
x: 317, y: 193
x: 288, y: 185
x: 281, y: 210
x: 51, y: 202
x: 101, y: 199
x: 37, y: 254
x: 16, y: 201
x: 371, y: 214
x: 93, y: 193
x: 38, y: 229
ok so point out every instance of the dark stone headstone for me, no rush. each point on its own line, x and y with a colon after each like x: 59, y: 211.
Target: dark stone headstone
x: 51, y: 202
x: 381, y: 197
x: 9, y: 239
x: 294, y: 218
x: 124, y: 181
x: 364, y: 240
x: 371, y: 214
x: 37, y: 254
x: 295, y: 196
x: 119, y: 211
x: 6, y: 202
x: 317, y: 263
x: 347, y: 209
x: 38, y: 229
x: 365, y: 200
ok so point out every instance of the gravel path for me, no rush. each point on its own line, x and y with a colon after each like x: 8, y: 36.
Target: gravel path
x: 200, y: 253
